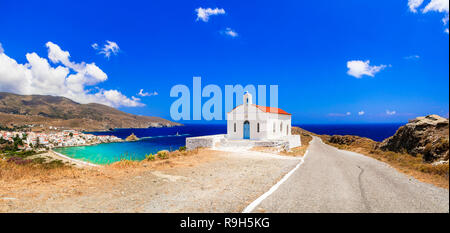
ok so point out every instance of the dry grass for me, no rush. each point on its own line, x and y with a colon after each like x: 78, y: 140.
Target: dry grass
x: 11, y: 172
x: 414, y: 166
x: 403, y: 162
x: 158, y: 160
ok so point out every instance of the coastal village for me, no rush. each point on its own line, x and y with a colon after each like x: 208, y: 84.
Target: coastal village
x: 49, y: 140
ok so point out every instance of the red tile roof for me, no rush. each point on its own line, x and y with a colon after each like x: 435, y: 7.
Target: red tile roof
x: 268, y: 109
x: 272, y: 109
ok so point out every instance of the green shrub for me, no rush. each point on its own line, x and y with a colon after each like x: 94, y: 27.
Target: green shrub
x: 182, y: 148
x: 39, y: 160
x: 54, y: 164
x: 150, y: 157
x: 163, y: 154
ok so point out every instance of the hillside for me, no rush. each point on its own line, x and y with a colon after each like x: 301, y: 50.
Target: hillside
x: 428, y: 136
x: 63, y: 112
x: 419, y: 148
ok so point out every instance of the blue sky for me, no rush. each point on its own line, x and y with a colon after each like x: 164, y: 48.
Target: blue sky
x: 316, y: 51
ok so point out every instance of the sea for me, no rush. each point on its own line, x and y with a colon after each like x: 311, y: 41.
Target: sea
x: 153, y: 140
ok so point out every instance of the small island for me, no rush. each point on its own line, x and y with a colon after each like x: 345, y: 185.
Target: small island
x: 131, y: 138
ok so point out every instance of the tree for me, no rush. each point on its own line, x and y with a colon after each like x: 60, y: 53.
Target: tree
x: 17, y: 142
x: 37, y: 143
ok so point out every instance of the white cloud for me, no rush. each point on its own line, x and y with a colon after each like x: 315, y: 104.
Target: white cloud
x: 230, y: 32
x: 56, y: 54
x: 68, y: 79
x: 361, y: 113
x: 204, y: 13
x: 412, y: 57
x: 118, y: 99
x: 445, y: 20
x: 1, y: 48
x: 359, y: 68
x: 414, y: 4
x: 436, y: 5
x: 441, y: 6
x: 143, y: 94
x: 109, y: 48
x: 339, y: 114
x: 390, y: 112
x: 86, y: 74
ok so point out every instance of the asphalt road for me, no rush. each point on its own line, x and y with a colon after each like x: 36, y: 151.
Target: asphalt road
x: 332, y: 180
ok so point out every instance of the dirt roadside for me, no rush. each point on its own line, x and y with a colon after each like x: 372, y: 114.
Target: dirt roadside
x: 210, y: 181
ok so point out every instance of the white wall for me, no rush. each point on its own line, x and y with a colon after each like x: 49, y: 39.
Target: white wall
x: 254, y: 115
x: 278, y: 120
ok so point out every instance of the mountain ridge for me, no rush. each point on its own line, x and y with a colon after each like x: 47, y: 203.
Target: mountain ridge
x: 60, y: 111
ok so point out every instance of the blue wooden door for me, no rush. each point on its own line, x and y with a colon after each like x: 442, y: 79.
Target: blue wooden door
x: 246, y: 130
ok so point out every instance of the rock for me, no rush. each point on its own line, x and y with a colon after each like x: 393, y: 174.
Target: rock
x: 424, y: 135
x: 342, y: 139
x: 440, y: 162
x: 351, y: 140
x: 132, y: 137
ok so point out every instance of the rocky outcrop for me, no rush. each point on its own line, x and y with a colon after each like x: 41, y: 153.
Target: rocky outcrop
x: 160, y: 125
x: 351, y: 140
x: 342, y: 139
x: 428, y: 136
x: 131, y: 138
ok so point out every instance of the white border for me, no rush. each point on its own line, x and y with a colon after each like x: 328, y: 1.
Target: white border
x: 258, y: 201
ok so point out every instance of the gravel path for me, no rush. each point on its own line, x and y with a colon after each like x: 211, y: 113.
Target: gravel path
x: 332, y: 180
x: 225, y: 184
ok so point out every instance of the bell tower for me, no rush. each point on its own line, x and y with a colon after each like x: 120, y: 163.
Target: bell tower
x: 247, y: 98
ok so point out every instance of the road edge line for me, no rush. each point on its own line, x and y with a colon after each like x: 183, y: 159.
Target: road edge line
x: 258, y: 201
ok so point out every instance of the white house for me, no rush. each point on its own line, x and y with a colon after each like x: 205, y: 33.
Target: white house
x: 251, y: 121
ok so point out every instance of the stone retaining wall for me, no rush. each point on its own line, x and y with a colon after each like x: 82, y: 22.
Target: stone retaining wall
x: 286, y: 143
x: 294, y: 141
x: 203, y: 141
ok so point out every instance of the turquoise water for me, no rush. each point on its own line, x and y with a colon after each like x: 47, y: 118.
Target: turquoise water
x: 106, y: 153
x: 152, y: 141
x: 111, y: 152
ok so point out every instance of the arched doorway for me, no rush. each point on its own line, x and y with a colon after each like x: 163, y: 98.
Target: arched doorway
x: 246, y: 130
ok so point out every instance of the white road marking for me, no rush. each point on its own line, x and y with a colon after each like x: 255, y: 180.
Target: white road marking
x: 258, y: 201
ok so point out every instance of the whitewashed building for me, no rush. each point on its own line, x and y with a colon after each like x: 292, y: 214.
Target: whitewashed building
x: 255, y: 122
x: 250, y: 125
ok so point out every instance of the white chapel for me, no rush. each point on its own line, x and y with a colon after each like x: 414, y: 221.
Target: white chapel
x: 255, y: 122
x: 250, y: 125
